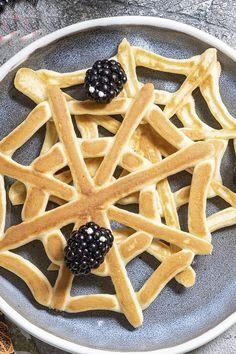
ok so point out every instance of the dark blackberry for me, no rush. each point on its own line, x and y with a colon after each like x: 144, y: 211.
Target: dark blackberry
x: 87, y: 247
x: 105, y: 80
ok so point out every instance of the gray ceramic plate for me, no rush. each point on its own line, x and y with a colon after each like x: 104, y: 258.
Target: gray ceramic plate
x: 178, y: 315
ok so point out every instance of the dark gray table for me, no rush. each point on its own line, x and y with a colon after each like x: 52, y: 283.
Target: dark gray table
x: 23, y: 23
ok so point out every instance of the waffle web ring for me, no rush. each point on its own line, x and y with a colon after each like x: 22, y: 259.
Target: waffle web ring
x: 148, y: 147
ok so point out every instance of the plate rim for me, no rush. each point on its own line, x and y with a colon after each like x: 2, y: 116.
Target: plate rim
x: 20, y: 57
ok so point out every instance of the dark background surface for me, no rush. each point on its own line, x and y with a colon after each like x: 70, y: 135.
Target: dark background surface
x: 23, y: 23
x: 27, y: 22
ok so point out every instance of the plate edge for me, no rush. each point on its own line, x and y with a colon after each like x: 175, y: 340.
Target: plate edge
x: 20, y: 57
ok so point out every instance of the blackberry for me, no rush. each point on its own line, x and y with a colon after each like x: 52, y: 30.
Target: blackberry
x: 87, y: 247
x: 105, y: 80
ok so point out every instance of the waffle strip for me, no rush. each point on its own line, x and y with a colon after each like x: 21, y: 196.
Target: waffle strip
x: 36, y: 281
x: 146, y: 144
x: 169, y: 268
x: 139, y: 109
x: 35, y: 120
x: 197, y: 199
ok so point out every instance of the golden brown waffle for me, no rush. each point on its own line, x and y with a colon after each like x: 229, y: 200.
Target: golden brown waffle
x: 148, y: 147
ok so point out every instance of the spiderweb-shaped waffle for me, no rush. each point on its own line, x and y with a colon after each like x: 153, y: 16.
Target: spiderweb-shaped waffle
x: 144, y: 137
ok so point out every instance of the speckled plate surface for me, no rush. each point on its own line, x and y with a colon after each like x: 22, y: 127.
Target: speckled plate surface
x: 179, y: 319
